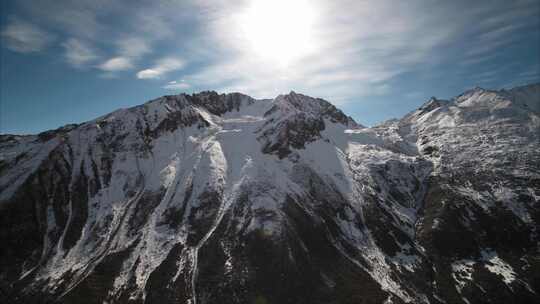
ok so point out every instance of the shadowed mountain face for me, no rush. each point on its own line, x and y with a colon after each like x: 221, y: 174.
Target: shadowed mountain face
x: 211, y: 198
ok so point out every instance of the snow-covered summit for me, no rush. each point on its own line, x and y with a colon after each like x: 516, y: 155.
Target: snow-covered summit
x: 293, y: 103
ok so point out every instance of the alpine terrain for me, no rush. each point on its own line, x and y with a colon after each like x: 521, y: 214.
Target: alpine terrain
x: 221, y: 198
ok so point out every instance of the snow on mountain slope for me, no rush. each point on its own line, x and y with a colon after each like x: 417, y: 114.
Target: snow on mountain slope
x: 210, y: 198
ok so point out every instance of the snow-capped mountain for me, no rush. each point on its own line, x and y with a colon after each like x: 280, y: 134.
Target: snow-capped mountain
x: 210, y: 198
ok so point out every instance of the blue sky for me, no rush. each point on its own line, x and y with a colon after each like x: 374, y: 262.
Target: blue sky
x: 68, y: 61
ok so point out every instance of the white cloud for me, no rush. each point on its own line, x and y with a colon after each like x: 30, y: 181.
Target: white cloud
x: 116, y: 64
x: 161, y: 67
x: 340, y: 63
x: 23, y: 37
x: 75, y: 18
x: 351, y: 48
x: 78, y: 53
x: 148, y: 74
x: 176, y: 85
x: 133, y: 47
x: 130, y: 49
x: 358, y: 47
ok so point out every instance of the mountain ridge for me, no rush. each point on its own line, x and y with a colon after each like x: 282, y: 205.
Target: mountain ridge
x: 222, y: 198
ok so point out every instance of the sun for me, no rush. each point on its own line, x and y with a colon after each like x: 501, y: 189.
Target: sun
x: 280, y: 31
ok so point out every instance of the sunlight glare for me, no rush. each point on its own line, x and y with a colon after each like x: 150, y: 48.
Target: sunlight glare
x: 279, y: 30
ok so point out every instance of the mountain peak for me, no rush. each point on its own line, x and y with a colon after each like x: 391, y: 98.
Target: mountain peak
x: 432, y: 104
x: 318, y: 107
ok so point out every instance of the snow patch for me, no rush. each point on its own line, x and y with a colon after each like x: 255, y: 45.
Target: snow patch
x: 498, y: 266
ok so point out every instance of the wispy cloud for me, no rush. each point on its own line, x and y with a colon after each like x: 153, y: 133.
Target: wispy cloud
x: 498, y: 27
x: 341, y: 50
x: 78, y: 53
x: 129, y: 50
x: 414, y: 95
x: 342, y: 63
x: 116, y: 64
x: 162, y: 67
x: 76, y: 18
x: 24, y: 37
x: 176, y: 85
x: 354, y: 54
x: 525, y: 76
x: 133, y: 47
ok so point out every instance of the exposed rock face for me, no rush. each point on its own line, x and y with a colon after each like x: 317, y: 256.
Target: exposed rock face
x: 210, y: 198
